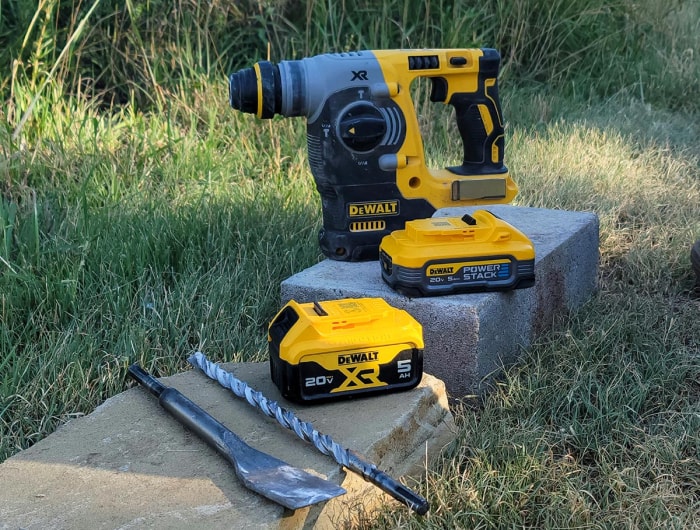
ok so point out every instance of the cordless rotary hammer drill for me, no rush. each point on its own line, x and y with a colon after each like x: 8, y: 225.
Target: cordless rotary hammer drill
x: 364, y: 144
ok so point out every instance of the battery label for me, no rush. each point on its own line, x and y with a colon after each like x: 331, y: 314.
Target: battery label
x: 469, y: 271
x: 395, y: 365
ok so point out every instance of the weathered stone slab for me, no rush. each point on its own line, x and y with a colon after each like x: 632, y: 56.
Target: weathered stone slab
x: 130, y: 465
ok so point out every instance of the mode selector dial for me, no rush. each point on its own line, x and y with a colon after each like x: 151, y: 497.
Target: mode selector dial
x: 361, y: 127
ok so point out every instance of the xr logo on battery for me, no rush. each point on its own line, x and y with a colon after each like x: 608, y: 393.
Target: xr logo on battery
x: 357, y: 377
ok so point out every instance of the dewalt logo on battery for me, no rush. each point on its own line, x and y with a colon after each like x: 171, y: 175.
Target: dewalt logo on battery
x: 370, y: 209
x: 442, y: 269
x: 357, y: 357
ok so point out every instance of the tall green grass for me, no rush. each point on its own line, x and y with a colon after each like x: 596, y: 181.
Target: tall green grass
x: 141, y: 218
x: 121, y: 52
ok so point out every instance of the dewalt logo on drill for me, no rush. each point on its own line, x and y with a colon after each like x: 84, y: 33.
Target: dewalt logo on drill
x: 372, y: 209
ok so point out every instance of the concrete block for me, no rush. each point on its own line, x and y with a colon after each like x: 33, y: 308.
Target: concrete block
x: 468, y: 337
x: 129, y: 464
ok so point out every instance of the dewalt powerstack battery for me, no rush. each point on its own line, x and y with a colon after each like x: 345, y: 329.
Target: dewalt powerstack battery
x: 447, y: 255
x: 343, y: 348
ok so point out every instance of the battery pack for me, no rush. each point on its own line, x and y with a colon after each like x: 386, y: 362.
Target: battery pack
x: 322, y: 351
x: 448, y: 255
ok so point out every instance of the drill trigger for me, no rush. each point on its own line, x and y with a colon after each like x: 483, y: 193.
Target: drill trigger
x: 438, y: 92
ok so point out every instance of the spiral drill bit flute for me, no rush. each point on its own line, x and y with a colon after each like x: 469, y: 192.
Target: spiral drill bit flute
x: 305, y: 431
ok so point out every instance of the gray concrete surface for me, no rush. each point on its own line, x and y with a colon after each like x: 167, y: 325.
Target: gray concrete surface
x: 129, y: 464
x: 468, y: 337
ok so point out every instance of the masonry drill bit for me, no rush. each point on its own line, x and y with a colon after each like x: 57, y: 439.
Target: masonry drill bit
x: 305, y: 431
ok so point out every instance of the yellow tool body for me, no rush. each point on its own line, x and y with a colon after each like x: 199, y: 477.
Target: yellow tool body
x: 322, y: 351
x: 447, y: 255
x: 364, y: 142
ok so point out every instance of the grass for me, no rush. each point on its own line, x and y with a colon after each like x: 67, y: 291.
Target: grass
x: 141, y: 218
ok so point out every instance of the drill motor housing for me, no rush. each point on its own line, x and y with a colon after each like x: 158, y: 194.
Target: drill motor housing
x: 364, y: 144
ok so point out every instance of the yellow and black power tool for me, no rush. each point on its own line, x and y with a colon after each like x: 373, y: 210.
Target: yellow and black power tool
x: 323, y: 351
x: 448, y: 255
x: 364, y: 144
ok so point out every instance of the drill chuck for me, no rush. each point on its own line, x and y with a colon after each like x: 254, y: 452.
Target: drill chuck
x: 267, y: 89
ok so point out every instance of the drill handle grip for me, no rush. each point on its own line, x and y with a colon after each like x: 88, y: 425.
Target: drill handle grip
x: 479, y: 119
x: 480, y: 127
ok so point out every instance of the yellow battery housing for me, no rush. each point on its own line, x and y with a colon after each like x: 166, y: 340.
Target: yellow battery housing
x: 321, y: 351
x: 447, y: 255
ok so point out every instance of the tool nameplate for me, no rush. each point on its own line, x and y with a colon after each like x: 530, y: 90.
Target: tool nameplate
x: 469, y: 271
x: 358, y: 372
